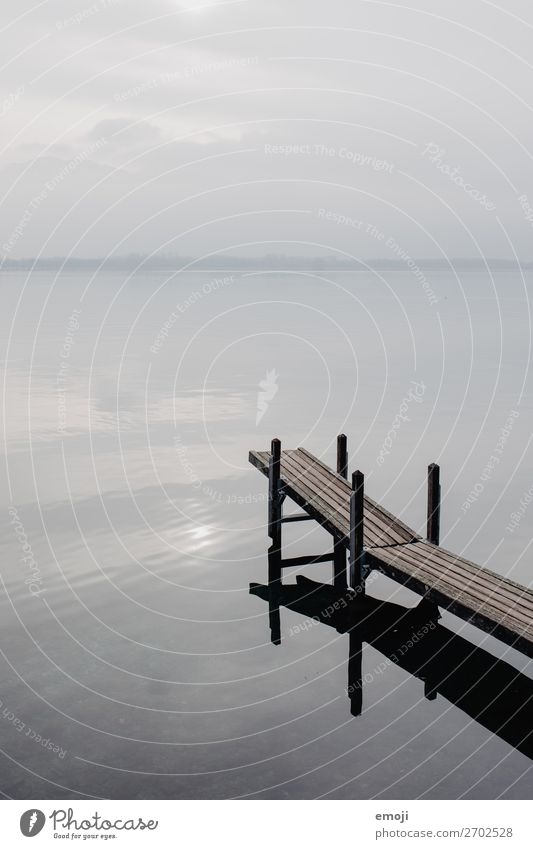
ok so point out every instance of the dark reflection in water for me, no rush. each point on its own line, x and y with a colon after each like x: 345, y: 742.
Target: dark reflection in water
x: 487, y: 689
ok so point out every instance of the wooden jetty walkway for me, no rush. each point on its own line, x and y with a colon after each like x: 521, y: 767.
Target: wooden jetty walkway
x: 375, y: 539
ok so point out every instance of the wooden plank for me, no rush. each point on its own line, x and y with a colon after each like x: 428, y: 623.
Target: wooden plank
x: 484, y: 605
x: 306, y: 560
x: 338, y: 499
x: 520, y: 639
x: 316, y: 488
x: 410, y: 556
x: 259, y: 459
x: 482, y: 612
x: 314, y: 496
x: 444, y: 564
x: 390, y: 530
x: 330, y: 492
x: 323, y: 519
x: 440, y: 554
x: 380, y: 531
x: 393, y: 520
x: 307, y: 480
x: 297, y: 517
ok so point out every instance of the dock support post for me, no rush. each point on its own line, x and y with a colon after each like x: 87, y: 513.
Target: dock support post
x: 355, y: 672
x: 357, y: 532
x: 433, y: 525
x: 342, y: 456
x: 274, y: 501
x: 274, y: 532
x: 339, y: 551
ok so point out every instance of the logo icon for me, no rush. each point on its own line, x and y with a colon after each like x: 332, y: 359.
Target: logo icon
x: 32, y: 822
x: 267, y: 390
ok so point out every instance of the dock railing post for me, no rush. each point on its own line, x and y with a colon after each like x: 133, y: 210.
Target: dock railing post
x: 342, y: 456
x: 339, y: 551
x: 433, y: 524
x: 357, y: 532
x: 274, y: 505
x: 274, y: 532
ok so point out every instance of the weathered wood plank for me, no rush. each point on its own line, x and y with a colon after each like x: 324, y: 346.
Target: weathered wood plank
x: 478, y: 581
x: 381, y: 511
x: 481, y: 609
x: 329, y: 494
x: 381, y: 529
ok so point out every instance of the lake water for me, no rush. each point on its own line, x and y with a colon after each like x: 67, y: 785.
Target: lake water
x: 135, y: 663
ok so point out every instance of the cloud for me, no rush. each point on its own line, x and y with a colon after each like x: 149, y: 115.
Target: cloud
x: 126, y: 134
x: 187, y: 103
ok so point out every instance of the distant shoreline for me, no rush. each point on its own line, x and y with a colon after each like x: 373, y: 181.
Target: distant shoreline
x: 269, y: 263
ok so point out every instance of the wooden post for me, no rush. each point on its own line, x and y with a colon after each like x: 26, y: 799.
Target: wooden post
x: 433, y: 526
x: 355, y: 672
x: 274, y: 506
x: 274, y: 532
x: 357, y: 532
x: 339, y: 551
x: 342, y: 456
x: 339, y: 564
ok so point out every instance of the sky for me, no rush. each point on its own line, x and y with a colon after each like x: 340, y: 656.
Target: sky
x: 348, y: 128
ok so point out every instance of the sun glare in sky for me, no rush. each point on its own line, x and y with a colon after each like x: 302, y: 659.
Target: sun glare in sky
x: 199, y: 6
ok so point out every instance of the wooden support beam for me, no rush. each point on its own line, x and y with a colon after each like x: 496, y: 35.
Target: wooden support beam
x: 342, y: 456
x: 433, y: 524
x: 306, y: 560
x: 356, y: 532
x: 339, y: 561
x: 299, y: 517
x: 274, y: 532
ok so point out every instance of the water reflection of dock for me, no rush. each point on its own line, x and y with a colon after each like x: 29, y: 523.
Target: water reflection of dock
x: 487, y: 689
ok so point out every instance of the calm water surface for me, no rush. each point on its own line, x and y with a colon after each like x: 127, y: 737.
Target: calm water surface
x: 130, y: 643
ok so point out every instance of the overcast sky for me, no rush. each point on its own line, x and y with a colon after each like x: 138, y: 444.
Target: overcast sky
x: 260, y: 126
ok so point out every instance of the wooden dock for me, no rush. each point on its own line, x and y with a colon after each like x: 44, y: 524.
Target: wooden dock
x: 375, y: 539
